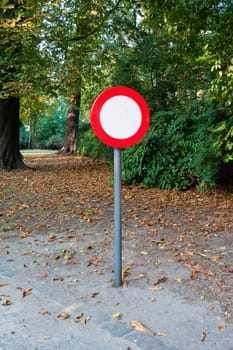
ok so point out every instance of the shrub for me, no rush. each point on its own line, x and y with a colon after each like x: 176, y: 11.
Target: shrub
x: 178, y: 151
x: 90, y: 146
x: 55, y: 142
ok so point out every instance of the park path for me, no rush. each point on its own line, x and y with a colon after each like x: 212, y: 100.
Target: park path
x: 56, y: 263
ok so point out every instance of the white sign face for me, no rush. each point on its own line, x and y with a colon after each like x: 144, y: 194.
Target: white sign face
x: 120, y: 117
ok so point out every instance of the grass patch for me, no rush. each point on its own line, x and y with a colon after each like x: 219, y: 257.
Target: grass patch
x: 37, y: 152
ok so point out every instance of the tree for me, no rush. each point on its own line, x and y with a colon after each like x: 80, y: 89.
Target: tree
x: 10, y: 157
x: 20, y: 65
x: 44, y: 47
x: 192, y: 83
x: 76, y: 46
x: 72, y: 123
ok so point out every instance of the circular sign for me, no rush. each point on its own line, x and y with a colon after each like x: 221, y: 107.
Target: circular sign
x: 120, y: 117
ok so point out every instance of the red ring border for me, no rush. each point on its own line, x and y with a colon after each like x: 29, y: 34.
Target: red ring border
x: 95, y: 117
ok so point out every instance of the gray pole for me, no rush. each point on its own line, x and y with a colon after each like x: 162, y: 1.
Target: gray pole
x: 117, y: 219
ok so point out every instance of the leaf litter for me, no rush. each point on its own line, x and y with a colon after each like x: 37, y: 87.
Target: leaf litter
x: 189, y: 228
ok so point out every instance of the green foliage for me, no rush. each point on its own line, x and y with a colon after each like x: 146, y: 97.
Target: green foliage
x: 24, y: 137
x: 50, y: 131
x: 178, y: 151
x: 55, y: 142
x: 23, y: 66
x: 90, y: 146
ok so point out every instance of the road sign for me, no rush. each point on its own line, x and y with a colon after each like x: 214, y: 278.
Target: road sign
x: 120, y: 117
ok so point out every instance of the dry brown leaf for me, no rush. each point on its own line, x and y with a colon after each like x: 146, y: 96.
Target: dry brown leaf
x: 142, y: 328
x: 156, y: 288
x: 216, y: 258
x: 27, y: 253
x: 93, y: 295
x: 159, y: 280
x: 3, y: 284
x: 45, y: 313
x: 195, y: 272
x: 72, y: 263
x: 63, y: 315
x: 84, y: 321
x: 7, y: 303
x: 203, y: 336
x: 116, y: 316
x: 79, y: 316
x: 125, y: 272
x: 51, y: 238
x: 58, y: 278
x: 220, y: 327
x: 24, y: 233
x: 26, y: 292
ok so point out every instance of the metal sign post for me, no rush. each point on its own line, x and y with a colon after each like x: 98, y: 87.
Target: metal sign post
x: 120, y: 118
x: 117, y: 219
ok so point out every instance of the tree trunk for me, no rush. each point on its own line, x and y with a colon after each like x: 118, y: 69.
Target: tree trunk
x: 10, y: 157
x: 72, y: 124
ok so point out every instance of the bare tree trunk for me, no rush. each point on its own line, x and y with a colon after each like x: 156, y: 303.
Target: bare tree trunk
x: 72, y: 124
x: 10, y: 157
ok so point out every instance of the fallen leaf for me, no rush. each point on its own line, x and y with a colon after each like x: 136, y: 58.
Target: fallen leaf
x: 51, y: 238
x: 117, y: 315
x: 86, y: 320
x: 125, y: 272
x: 72, y: 263
x: 82, y: 321
x: 159, y: 280
x: 27, y: 253
x: 99, y: 272
x: 45, y: 313
x: 93, y: 295
x: 63, y: 315
x: 58, y: 278
x: 144, y: 252
x: 156, y: 288
x: 216, y: 258
x: 26, y: 292
x: 78, y: 317
x: 195, y: 272
x: 142, y: 328
x: 7, y: 303
x: 203, y: 336
x: 24, y: 232
x: 220, y: 327
x: 3, y: 284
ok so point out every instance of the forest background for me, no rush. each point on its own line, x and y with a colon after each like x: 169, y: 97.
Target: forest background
x: 57, y: 56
